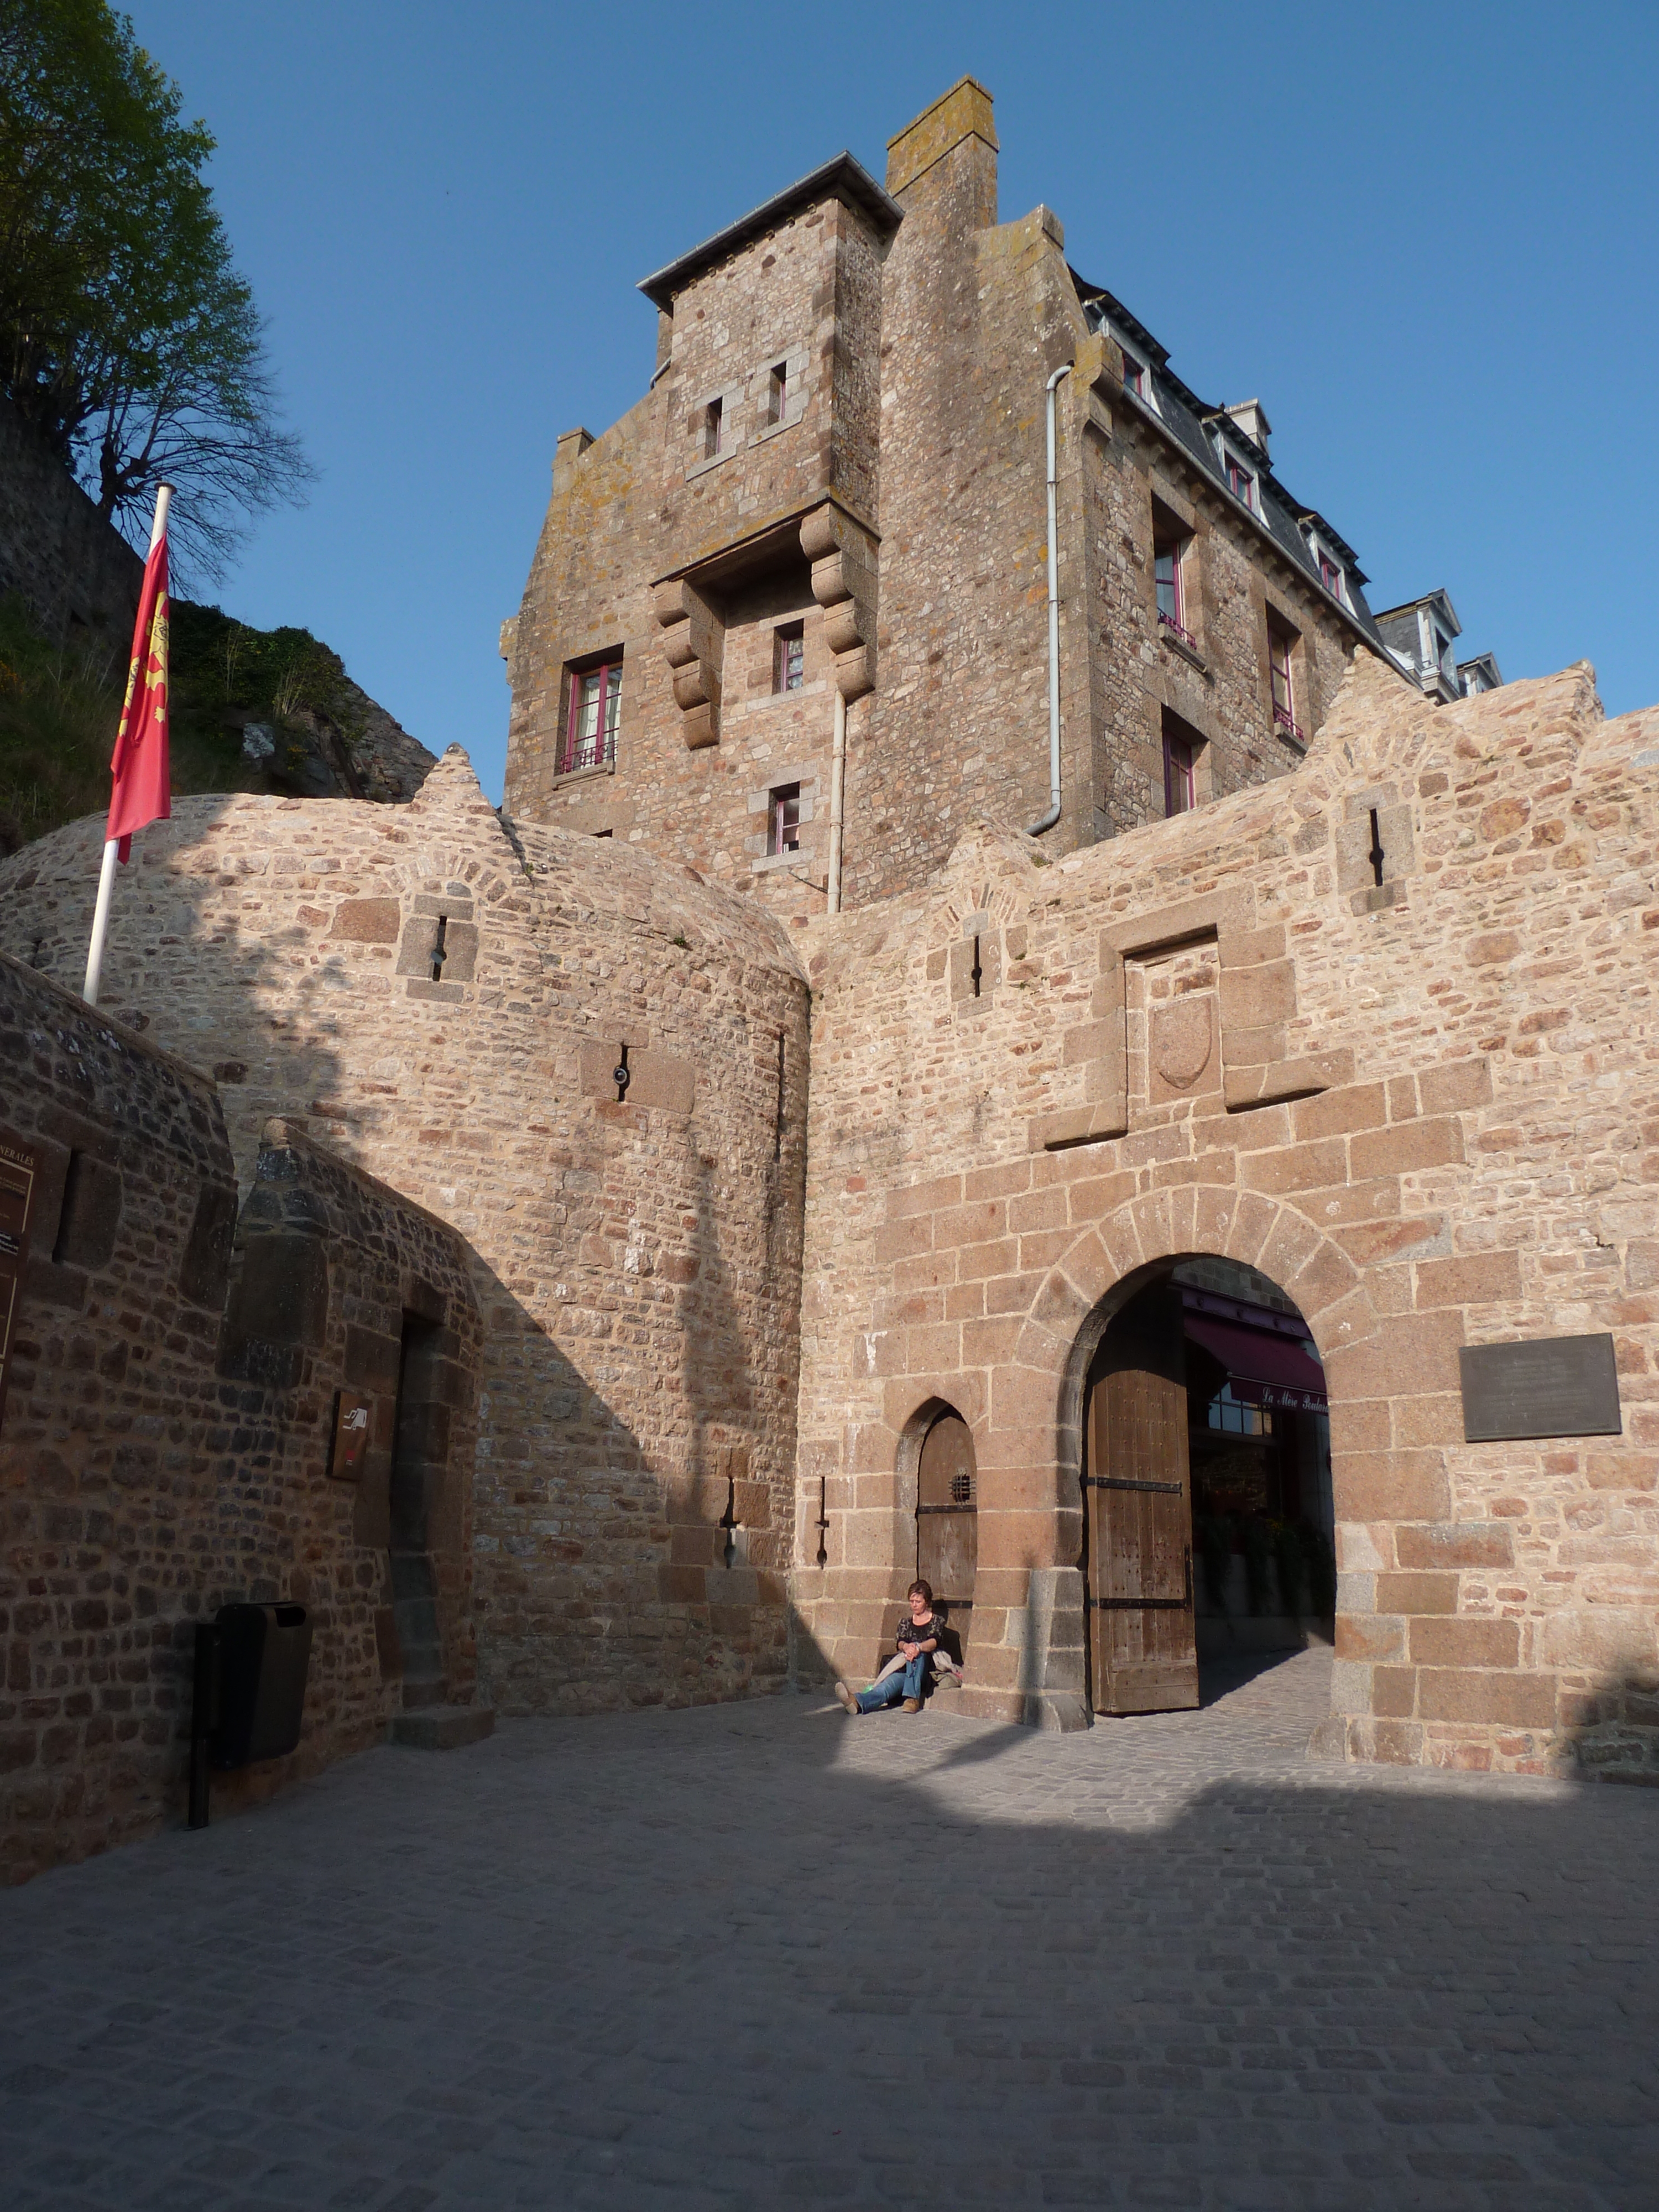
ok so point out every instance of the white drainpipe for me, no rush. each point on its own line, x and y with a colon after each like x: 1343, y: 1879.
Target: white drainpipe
x: 1048, y: 820
x: 837, y: 789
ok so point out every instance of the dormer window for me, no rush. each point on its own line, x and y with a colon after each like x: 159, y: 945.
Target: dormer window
x: 1331, y: 577
x: 1135, y: 374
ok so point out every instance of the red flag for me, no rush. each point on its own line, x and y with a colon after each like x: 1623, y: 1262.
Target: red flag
x: 143, y: 789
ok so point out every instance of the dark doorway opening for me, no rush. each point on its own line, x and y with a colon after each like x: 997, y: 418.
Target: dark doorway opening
x: 1207, y: 1488
x: 947, y: 1526
x: 420, y: 1456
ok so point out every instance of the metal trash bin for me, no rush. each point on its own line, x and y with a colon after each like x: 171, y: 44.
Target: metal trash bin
x: 250, y: 1691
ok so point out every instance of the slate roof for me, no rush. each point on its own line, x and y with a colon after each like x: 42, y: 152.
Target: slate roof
x: 844, y: 178
x: 1190, y: 422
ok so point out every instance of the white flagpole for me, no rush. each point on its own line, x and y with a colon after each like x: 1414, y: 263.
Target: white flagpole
x: 107, y: 877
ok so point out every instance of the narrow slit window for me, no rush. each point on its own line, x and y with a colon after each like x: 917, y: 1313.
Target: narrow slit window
x: 590, y: 740
x: 713, y: 430
x: 777, y: 392
x: 789, y: 656
x: 784, y: 834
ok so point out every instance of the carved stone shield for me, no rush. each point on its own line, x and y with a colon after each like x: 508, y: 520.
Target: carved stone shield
x: 1183, y: 1040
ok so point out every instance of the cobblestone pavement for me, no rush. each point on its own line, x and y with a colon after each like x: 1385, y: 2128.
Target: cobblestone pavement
x: 762, y: 1955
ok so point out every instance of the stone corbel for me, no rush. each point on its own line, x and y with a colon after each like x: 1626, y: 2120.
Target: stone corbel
x: 691, y: 640
x: 843, y: 558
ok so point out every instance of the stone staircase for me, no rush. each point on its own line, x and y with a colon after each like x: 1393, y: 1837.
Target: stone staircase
x: 429, y: 1722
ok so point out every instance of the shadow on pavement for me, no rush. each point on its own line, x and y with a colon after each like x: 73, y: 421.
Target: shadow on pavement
x: 741, y: 1956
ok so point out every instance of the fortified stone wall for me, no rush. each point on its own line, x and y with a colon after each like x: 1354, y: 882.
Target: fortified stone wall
x: 445, y: 1004
x: 57, y: 552
x: 150, y: 1469
x: 1422, y: 1106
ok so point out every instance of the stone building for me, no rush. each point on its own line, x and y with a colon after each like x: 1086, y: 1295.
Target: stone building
x: 1097, y: 1224
x: 831, y: 501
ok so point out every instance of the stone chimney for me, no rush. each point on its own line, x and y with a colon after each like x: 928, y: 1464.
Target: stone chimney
x: 948, y: 157
x: 1252, y: 419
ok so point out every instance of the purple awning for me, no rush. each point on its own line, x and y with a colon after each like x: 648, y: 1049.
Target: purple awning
x: 1264, y: 1370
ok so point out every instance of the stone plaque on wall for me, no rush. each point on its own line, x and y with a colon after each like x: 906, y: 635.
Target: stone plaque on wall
x: 351, y: 1419
x: 20, y: 1170
x: 1544, y: 1385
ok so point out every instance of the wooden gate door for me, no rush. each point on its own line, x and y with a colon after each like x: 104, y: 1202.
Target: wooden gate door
x: 947, y: 1514
x: 1139, y: 1498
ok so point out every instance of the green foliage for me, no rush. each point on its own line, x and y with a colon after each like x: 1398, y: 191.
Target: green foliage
x: 60, y: 706
x: 126, y: 336
x: 278, y: 675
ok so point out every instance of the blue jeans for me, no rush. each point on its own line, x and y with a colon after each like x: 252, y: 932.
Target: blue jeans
x: 906, y: 1684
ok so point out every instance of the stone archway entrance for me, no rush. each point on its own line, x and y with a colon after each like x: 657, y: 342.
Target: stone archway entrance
x: 1207, y: 1485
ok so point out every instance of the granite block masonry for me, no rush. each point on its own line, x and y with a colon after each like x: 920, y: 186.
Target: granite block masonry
x: 835, y: 486
x: 168, y: 1442
x: 594, y: 1070
x: 667, y: 1215
x: 1418, y: 1109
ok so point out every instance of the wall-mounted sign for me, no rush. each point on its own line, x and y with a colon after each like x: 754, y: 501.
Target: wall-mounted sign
x: 1544, y: 1385
x: 19, y: 1174
x: 350, y: 1447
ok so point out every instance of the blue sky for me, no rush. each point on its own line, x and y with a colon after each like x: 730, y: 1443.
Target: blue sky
x: 1424, y: 236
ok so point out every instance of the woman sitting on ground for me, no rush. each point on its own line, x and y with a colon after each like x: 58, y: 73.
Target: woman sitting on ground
x: 905, y: 1676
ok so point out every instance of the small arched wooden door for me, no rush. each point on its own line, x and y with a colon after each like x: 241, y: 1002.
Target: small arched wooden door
x: 947, y: 1513
x: 1142, y: 1649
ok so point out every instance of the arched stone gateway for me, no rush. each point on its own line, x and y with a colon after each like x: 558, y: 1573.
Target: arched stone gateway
x: 1032, y: 1647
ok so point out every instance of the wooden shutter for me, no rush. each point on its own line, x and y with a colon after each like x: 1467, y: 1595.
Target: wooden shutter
x: 947, y: 1511
x: 1138, y: 1500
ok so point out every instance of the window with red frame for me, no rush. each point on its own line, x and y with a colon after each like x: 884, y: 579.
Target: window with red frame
x: 1280, y: 643
x: 1135, y: 375
x: 788, y: 657
x: 1330, y: 575
x: 783, y: 835
x: 1180, y: 781
x: 1241, y: 481
x: 590, y: 735
x: 1169, y: 580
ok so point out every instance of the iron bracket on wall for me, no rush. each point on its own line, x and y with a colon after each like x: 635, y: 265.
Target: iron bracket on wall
x: 1122, y: 1482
